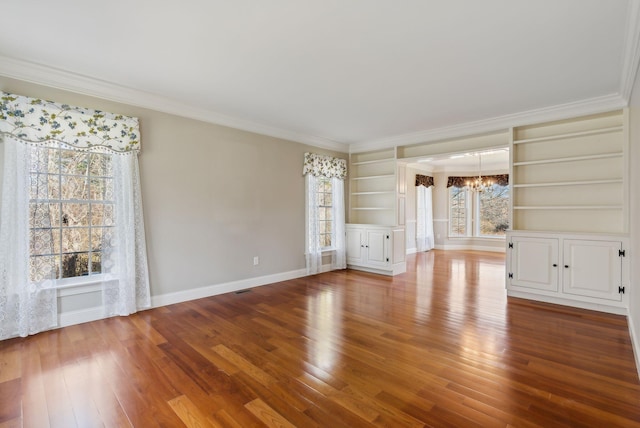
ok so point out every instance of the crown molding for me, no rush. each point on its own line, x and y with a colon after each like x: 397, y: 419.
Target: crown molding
x: 631, y: 50
x: 498, y: 124
x: 84, y: 85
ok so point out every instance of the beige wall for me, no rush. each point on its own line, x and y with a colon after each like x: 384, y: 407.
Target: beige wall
x: 213, y: 197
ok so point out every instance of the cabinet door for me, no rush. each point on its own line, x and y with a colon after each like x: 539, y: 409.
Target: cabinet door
x: 592, y: 268
x: 376, y: 244
x: 355, y: 246
x: 534, y: 263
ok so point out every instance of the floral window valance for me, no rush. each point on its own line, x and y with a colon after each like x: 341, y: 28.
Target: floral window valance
x: 324, y: 166
x: 424, y: 180
x: 501, y: 179
x: 38, y: 121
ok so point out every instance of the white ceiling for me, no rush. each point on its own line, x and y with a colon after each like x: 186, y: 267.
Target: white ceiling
x: 332, y: 72
x: 488, y: 161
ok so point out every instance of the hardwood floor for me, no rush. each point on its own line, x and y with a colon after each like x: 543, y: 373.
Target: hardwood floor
x: 439, y: 346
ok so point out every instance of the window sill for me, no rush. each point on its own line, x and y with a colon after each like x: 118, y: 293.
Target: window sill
x: 324, y: 251
x: 81, y: 285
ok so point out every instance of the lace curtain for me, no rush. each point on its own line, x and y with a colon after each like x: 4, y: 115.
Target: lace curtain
x: 424, y: 213
x: 316, y: 167
x: 28, y: 127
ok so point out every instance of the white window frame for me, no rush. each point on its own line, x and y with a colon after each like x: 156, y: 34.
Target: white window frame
x: 472, y: 211
x: 332, y: 221
x: 57, y: 201
x: 468, y: 218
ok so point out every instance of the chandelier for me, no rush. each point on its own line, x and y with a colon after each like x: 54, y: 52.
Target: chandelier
x: 479, y: 184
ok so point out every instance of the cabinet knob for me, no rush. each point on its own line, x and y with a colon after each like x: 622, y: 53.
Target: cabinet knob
x: 555, y: 265
x: 566, y: 266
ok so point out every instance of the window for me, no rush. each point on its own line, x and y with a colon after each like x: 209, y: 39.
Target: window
x: 480, y: 214
x: 458, y: 203
x: 493, y: 210
x: 325, y: 212
x: 70, y: 212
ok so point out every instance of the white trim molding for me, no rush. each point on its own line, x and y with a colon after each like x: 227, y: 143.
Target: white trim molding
x: 497, y: 124
x: 225, y: 287
x: 471, y: 247
x: 565, y: 302
x: 84, y: 85
x: 635, y: 341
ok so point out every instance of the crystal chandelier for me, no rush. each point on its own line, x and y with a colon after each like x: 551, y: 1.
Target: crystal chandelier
x: 479, y: 184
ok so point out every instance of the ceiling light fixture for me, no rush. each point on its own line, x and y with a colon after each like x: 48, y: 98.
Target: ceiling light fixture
x: 479, y: 184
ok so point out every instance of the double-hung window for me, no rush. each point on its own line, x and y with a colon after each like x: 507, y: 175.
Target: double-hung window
x: 459, y: 218
x: 493, y: 211
x: 71, y: 212
x: 324, y: 197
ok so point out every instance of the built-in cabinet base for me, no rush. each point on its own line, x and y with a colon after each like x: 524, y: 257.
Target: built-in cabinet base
x: 377, y: 249
x: 583, y: 270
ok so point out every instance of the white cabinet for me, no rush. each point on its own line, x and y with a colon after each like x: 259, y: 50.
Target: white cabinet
x: 377, y: 249
x: 589, y: 271
x: 592, y: 268
x: 355, y: 245
x: 534, y: 263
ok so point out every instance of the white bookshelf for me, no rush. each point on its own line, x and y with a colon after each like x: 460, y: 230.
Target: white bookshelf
x: 571, y: 175
x: 373, y: 187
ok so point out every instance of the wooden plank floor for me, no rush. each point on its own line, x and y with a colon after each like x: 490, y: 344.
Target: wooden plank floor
x: 439, y: 346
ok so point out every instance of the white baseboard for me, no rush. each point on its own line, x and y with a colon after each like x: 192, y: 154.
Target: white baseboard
x: 617, y: 310
x: 635, y: 341
x: 81, y: 316
x: 461, y: 247
x: 471, y: 248
x: 226, y: 287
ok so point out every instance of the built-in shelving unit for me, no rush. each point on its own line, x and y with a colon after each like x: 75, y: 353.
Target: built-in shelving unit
x: 571, y: 175
x: 375, y: 234
x: 373, y: 187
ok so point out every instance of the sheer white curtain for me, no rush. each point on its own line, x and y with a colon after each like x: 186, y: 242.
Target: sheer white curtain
x: 25, y: 308
x: 29, y: 127
x: 125, y: 288
x: 314, y: 250
x: 339, y: 255
x: 424, y: 218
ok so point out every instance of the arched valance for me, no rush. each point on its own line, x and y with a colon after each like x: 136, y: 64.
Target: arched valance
x: 324, y: 166
x: 38, y: 121
x: 424, y: 180
x: 501, y: 179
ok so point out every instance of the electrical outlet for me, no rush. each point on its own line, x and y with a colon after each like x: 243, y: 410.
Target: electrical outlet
x: 256, y: 261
